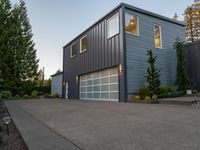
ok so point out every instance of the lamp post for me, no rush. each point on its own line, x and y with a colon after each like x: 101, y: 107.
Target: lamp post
x: 7, y: 120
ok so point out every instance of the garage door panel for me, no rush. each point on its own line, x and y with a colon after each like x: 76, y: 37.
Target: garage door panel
x: 101, y: 85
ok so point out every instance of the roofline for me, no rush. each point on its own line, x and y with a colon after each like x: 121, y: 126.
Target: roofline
x: 56, y: 74
x: 152, y: 14
x: 127, y: 6
x: 193, y: 43
x: 99, y: 20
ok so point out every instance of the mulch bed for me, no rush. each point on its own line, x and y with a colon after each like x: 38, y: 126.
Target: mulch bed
x: 14, y: 141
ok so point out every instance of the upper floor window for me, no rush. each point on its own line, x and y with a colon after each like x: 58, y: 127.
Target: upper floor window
x: 132, y: 24
x: 157, y: 36
x: 73, y: 50
x: 113, y: 25
x: 83, y: 44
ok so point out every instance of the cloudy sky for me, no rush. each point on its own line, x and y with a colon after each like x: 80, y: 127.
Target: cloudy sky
x: 55, y: 23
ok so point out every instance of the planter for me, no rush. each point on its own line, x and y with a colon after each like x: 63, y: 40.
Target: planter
x: 189, y: 92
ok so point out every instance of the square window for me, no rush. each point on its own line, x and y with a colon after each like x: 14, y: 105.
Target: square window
x: 114, y: 87
x: 105, y: 80
x: 96, y: 88
x: 114, y: 79
x: 73, y: 50
x: 132, y: 24
x: 113, y: 25
x: 105, y: 88
x: 96, y: 95
x: 114, y: 95
x: 83, y: 44
x: 105, y: 95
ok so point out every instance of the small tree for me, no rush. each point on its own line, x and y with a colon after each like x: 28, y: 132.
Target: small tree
x: 153, y: 77
x: 182, y: 79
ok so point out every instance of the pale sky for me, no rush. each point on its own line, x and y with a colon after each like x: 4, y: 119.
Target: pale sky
x: 56, y: 22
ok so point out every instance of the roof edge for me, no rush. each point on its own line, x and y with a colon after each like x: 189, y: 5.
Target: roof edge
x: 56, y: 74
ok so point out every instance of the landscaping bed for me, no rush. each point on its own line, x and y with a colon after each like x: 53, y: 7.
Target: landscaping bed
x: 14, y: 141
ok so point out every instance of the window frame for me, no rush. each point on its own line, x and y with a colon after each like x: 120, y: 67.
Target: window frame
x: 81, y: 51
x: 71, y: 50
x: 116, y: 14
x: 161, y: 45
x: 138, y: 24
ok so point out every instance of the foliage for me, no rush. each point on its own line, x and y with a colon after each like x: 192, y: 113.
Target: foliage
x: 1, y: 133
x: 192, y: 21
x: 171, y: 94
x: 53, y: 95
x: 143, y: 92
x: 175, y: 17
x: 43, y: 89
x: 182, y: 79
x: 147, y: 98
x: 5, y: 94
x: 17, y: 97
x: 18, y: 62
x: 153, y: 77
x: 166, y: 89
x: 154, y: 97
x: 34, y: 94
x: 137, y: 98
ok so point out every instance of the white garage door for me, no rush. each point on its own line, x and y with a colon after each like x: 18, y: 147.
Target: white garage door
x: 101, y: 85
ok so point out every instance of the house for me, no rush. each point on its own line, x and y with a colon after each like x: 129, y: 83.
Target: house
x: 56, y: 83
x: 108, y: 61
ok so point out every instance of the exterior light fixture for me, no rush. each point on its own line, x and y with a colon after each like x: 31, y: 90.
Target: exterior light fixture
x: 76, y: 79
x: 7, y: 120
x: 120, y: 68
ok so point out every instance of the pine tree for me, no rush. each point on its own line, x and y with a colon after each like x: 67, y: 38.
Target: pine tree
x: 6, y: 45
x: 153, y: 77
x: 182, y: 79
x: 175, y: 17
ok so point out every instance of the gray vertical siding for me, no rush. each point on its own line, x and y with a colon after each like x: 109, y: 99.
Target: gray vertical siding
x: 136, y: 48
x: 101, y: 53
x: 192, y: 55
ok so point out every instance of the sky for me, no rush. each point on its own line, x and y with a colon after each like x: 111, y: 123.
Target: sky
x: 55, y: 23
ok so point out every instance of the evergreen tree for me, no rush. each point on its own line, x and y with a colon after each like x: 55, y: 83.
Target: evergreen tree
x: 192, y: 21
x: 182, y: 79
x: 175, y: 17
x: 6, y: 45
x: 18, y: 61
x: 153, y: 77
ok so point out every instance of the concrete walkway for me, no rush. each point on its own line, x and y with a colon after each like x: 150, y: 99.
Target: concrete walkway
x: 37, y: 135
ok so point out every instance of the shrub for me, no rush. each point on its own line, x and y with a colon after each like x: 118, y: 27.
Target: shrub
x: 26, y: 96
x: 1, y: 138
x: 143, y: 92
x: 53, y: 95
x: 137, y: 98
x: 1, y: 126
x: 17, y: 97
x: 166, y: 89
x: 5, y: 94
x: 34, y: 93
x: 147, y: 98
x: 154, y: 97
x: 42, y: 89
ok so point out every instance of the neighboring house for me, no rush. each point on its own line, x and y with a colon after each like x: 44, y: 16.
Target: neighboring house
x: 108, y: 61
x: 56, y: 83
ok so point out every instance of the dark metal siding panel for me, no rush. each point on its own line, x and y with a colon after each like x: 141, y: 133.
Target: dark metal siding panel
x: 192, y: 54
x: 137, y: 47
x: 101, y: 53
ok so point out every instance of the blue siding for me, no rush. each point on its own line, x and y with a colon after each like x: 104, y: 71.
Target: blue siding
x: 136, y: 50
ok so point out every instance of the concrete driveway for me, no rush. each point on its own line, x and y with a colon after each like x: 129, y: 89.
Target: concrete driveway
x: 92, y: 125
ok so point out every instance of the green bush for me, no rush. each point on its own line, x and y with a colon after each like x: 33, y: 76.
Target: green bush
x: 171, y: 94
x: 1, y: 126
x: 5, y: 94
x: 17, y: 97
x: 166, y: 89
x: 26, y: 96
x: 53, y: 95
x: 42, y: 89
x: 137, y: 98
x: 143, y: 92
x: 34, y: 94
x: 1, y: 138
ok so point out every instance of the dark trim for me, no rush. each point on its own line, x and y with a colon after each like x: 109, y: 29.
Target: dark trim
x: 124, y: 47
x: 127, y: 6
x: 56, y: 74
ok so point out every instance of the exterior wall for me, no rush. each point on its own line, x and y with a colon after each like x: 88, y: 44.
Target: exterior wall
x: 56, y: 84
x: 192, y: 55
x: 101, y: 53
x: 136, y: 51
